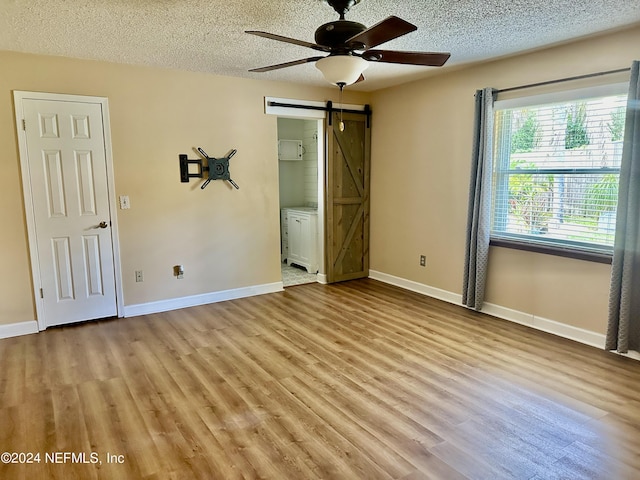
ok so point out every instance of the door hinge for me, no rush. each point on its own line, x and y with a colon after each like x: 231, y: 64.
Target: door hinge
x: 41, y: 293
x: 24, y: 124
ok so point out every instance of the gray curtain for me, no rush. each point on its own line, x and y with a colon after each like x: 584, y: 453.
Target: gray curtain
x: 479, y: 217
x: 623, y: 331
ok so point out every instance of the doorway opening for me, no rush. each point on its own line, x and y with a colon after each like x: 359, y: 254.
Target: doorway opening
x: 301, y: 193
x: 343, y: 160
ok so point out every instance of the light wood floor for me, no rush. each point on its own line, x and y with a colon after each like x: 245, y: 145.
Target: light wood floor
x: 359, y: 380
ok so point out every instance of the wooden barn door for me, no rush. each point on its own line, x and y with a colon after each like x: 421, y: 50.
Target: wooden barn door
x: 347, y: 198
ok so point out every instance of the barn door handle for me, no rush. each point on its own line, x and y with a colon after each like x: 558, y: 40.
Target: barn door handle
x: 103, y: 225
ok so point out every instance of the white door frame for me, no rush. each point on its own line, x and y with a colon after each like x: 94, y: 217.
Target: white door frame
x: 18, y: 97
x: 319, y: 116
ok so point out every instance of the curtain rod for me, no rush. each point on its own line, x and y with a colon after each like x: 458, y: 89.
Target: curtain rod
x: 560, y: 80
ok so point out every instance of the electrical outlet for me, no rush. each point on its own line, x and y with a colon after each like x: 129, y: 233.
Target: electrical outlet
x: 423, y: 261
x: 138, y: 275
x: 178, y: 271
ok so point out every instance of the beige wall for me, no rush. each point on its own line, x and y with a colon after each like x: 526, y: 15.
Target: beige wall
x: 229, y: 239
x: 225, y: 238
x: 421, y: 146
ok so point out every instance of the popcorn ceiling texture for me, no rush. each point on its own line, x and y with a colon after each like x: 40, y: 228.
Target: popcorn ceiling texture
x: 208, y: 35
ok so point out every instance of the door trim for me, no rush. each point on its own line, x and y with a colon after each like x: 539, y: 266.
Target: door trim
x: 18, y: 97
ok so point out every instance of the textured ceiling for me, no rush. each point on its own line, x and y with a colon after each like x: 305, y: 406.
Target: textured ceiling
x: 207, y: 35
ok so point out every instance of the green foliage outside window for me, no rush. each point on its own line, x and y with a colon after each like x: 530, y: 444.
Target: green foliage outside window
x: 616, y: 125
x: 530, y: 197
x: 576, y: 134
x: 602, y: 196
x: 526, y: 137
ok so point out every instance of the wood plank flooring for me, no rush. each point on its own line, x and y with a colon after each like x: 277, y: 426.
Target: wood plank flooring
x: 358, y: 380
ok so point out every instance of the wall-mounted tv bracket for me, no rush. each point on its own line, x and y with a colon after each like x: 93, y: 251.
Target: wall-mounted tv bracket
x: 218, y: 168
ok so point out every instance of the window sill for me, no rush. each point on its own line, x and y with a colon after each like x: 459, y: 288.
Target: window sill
x: 597, y: 257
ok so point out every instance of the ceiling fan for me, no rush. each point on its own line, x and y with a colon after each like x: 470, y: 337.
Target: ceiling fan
x: 350, y: 47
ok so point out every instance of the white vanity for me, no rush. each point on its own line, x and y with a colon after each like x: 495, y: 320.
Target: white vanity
x: 300, y: 237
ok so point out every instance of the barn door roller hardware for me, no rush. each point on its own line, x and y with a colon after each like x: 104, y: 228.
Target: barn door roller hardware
x: 218, y: 168
x: 328, y: 108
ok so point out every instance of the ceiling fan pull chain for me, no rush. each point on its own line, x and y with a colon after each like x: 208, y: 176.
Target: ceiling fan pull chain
x: 341, y: 124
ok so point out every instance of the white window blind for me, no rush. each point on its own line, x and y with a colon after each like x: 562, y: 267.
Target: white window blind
x: 557, y: 166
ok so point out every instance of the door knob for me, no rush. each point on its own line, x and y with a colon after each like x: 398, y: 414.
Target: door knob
x: 103, y: 225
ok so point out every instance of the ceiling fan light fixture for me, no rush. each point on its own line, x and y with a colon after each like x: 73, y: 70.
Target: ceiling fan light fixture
x: 345, y: 69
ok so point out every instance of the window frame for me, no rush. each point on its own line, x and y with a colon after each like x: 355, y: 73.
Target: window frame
x: 559, y: 247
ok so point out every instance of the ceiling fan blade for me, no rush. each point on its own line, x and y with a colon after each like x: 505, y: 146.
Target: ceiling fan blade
x: 285, y: 65
x: 388, y: 29
x: 428, y: 59
x: 294, y: 41
x: 360, y: 79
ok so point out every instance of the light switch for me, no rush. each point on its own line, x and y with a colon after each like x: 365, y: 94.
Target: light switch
x: 124, y: 202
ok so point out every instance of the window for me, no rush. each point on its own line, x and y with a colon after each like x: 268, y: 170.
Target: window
x: 556, y: 170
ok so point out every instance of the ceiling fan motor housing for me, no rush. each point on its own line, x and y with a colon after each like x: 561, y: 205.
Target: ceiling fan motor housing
x: 335, y: 34
x: 342, y: 6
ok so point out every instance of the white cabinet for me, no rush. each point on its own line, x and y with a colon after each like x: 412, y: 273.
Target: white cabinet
x: 290, y: 150
x: 284, y: 234
x: 301, y: 237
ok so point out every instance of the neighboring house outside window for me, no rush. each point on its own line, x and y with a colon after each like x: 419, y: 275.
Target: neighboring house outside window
x: 556, y: 171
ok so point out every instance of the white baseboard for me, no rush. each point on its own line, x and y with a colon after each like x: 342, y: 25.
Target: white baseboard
x: 203, y: 299
x: 546, y: 325
x: 631, y: 354
x: 539, y: 323
x: 417, y: 287
x: 17, y: 329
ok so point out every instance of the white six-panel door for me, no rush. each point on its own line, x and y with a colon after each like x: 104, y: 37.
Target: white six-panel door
x: 68, y: 181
